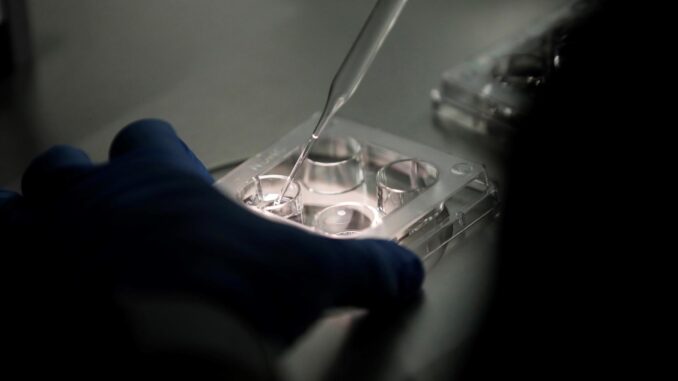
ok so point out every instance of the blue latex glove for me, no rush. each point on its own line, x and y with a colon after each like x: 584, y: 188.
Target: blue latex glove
x: 151, y: 221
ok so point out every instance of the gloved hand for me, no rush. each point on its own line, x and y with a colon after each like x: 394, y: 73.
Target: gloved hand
x: 151, y: 221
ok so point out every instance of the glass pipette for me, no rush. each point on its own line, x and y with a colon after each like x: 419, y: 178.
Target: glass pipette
x: 352, y: 70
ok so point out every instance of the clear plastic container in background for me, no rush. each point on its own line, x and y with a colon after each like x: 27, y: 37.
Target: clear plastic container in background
x: 491, y: 93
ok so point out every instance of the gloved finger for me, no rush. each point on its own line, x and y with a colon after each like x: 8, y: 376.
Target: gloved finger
x: 54, y: 171
x: 155, y: 139
x: 374, y: 273
x: 364, y: 273
x: 312, y: 273
x: 7, y: 196
x: 9, y: 203
x: 14, y: 215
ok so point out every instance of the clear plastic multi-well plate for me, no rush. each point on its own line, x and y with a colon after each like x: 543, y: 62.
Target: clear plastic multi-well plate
x: 360, y: 182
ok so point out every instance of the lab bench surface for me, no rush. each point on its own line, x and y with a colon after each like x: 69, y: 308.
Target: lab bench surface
x: 233, y: 77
